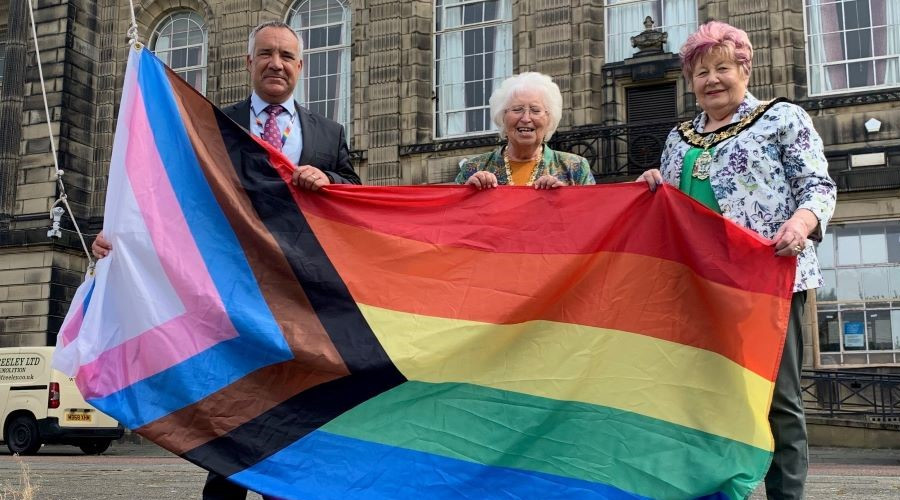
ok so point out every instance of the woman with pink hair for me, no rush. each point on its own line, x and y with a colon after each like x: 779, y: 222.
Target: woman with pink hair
x: 762, y: 165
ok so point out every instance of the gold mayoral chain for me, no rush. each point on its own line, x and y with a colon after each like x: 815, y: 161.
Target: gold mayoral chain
x: 534, y: 172
x: 706, y: 141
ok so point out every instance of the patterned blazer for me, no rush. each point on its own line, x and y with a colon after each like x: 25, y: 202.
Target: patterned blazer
x: 761, y: 176
x: 567, y: 167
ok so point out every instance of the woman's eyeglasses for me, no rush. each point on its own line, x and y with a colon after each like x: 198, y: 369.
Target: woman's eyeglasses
x: 521, y: 110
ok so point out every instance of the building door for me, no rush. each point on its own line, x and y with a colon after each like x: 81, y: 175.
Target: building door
x: 651, y: 112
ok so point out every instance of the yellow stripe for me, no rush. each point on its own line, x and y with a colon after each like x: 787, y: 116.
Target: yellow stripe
x: 656, y: 378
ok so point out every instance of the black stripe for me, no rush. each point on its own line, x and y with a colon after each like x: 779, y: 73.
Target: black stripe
x: 27, y: 387
x: 371, y: 370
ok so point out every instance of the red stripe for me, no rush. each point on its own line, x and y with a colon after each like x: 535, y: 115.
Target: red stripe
x: 576, y: 220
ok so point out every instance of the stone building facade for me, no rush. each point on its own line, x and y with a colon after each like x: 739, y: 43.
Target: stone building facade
x: 409, y: 80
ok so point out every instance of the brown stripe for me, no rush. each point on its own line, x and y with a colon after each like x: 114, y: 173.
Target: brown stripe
x: 316, y: 359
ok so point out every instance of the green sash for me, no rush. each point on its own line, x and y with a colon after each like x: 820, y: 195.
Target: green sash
x: 695, y: 188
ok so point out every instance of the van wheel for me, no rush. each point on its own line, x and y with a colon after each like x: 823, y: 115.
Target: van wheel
x: 22, y: 436
x: 95, y: 447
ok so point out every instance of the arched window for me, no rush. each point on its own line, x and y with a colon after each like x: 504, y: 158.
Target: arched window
x: 324, y: 27
x: 181, y: 42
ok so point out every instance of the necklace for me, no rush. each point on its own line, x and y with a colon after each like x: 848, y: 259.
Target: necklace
x: 707, y: 140
x: 534, y: 173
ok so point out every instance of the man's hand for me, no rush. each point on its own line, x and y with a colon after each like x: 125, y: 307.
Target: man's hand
x: 309, y: 177
x: 101, y: 246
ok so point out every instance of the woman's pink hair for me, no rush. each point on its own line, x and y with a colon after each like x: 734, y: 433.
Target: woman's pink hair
x: 716, y: 36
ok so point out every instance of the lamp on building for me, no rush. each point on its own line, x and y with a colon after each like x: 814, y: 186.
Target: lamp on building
x: 873, y: 125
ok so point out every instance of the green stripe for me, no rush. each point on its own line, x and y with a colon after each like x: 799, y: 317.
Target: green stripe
x: 635, y: 453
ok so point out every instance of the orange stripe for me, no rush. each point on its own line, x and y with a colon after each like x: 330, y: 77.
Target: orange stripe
x: 619, y: 291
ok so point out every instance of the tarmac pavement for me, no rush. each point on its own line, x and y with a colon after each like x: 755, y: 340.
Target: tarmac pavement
x: 145, y: 471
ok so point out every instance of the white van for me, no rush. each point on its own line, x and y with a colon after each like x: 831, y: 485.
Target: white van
x: 39, y: 405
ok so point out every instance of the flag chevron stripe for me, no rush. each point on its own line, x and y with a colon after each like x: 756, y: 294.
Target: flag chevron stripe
x: 558, y: 225
x: 472, y: 423
x: 599, y: 290
x: 237, y: 189
x: 374, y: 471
x: 187, y: 290
x: 371, y: 371
x: 210, y: 229
x: 570, y: 362
x: 289, y: 421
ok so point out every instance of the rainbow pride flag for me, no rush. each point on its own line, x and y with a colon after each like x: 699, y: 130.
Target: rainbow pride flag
x: 420, y: 342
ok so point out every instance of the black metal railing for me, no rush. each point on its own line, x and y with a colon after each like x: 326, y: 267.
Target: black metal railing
x: 851, y: 394
x: 865, y: 179
x: 618, y: 152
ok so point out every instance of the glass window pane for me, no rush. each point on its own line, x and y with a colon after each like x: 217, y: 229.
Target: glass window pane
x: 828, y: 291
x: 334, y: 35
x: 193, y: 56
x: 892, y: 240
x: 861, y: 74
x: 490, y: 10
x: 853, y: 328
x: 895, y: 328
x: 195, y: 36
x: 848, y: 284
x: 875, y: 283
x: 878, y: 327
x: 859, y: 43
x: 873, y: 244
x: 179, y: 39
x: 473, y: 13
x: 894, y: 280
x: 163, y: 43
x: 847, y: 246
x: 179, y: 58
x: 318, y: 16
x: 829, y: 332
x: 825, y: 250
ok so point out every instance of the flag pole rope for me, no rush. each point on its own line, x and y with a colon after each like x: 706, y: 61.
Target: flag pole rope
x: 55, y: 211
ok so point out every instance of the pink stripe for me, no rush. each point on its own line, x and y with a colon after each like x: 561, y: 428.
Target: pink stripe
x: 71, y: 328
x: 204, y: 322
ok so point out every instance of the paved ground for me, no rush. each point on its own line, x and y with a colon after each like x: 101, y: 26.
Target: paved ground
x: 147, y: 472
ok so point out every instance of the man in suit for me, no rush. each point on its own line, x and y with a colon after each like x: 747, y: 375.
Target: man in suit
x: 315, y: 144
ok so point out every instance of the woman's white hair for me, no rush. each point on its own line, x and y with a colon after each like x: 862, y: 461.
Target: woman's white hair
x: 523, y: 82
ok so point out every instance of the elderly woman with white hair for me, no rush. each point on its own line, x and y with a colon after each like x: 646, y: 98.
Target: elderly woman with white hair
x: 526, y: 109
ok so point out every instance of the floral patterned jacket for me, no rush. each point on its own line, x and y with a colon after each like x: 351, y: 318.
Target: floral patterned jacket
x: 762, y: 175
x: 566, y: 167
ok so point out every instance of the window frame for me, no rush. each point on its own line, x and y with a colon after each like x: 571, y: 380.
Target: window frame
x: 840, y: 306
x: 822, y: 68
x: 199, y: 23
x: 672, y: 46
x: 437, y: 113
x: 345, y: 71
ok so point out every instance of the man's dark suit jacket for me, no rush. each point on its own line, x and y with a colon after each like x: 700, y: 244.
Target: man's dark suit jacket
x: 324, y: 142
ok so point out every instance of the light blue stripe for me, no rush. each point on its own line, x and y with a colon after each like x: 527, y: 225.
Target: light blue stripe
x: 260, y: 341
x: 327, y: 466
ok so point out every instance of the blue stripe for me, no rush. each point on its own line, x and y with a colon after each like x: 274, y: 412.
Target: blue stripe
x: 328, y: 466
x: 260, y: 341
x: 87, y: 299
